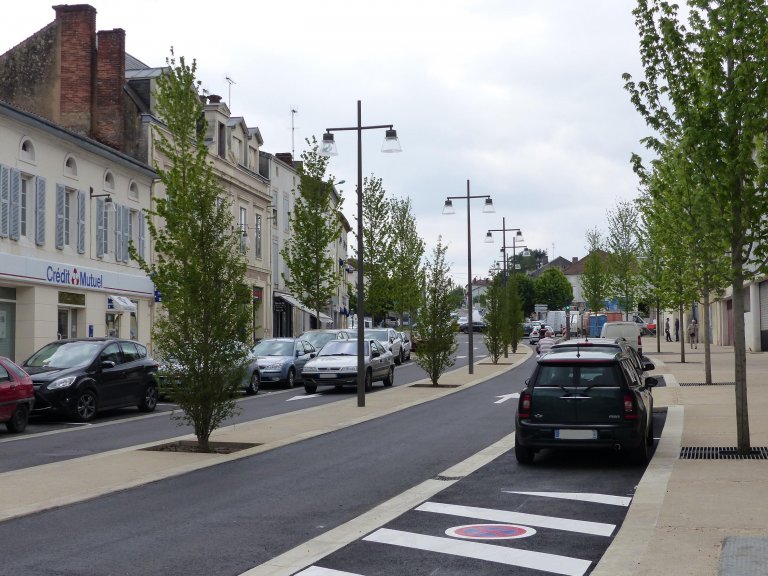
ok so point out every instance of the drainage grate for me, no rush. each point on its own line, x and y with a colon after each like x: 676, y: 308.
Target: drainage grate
x: 705, y: 384
x: 447, y: 478
x: 730, y: 453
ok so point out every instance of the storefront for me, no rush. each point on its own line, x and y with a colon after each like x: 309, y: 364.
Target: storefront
x: 42, y: 300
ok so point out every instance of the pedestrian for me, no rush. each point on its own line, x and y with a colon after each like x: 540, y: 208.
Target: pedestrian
x: 693, y: 334
x: 666, y: 331
x: 546, y: 343
x: 677, y: 329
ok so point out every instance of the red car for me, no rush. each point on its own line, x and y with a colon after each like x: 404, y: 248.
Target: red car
x: 17, y: 395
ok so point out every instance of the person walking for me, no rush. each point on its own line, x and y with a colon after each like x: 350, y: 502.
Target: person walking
x: 693, y: 334
x: 677, y: 329
x: 666, y: 331
x: 546, y: 343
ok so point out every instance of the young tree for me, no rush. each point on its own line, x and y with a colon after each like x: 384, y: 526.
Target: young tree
x: 623, y: 247
x: 515, y: 310
x: 437, y: 339
x: 406, y: 266
x: 553, y: 289
x: 198, y: 267
x: 526, y: 288
x: 595, y: 280
x: 706, y: 89
x: 496, y: 320
x: 315, y: 224
x: 378, y: 243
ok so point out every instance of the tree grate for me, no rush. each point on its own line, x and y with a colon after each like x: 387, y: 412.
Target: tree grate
x: 447, y: 478
x: 705, y: 384
x: 730, y: 453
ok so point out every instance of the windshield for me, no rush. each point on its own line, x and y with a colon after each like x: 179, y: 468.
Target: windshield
x: 64, y: 355
x: 319, y: 339
x: 381, y: 335
x: 273, y: 348
x: 581, y: 376
x: 341, y: 348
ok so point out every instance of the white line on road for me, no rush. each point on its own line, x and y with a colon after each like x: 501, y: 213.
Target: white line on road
x: 507, y: 397
x: 583, y: 497
x: 501, y: 554
x: 303, y: 397
x: 317, y: 571
x: 582, y: 526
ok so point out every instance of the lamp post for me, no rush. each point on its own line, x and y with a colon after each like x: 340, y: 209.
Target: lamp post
x: 328, y: 148
x: 489, y: 240
x: 448, y: 209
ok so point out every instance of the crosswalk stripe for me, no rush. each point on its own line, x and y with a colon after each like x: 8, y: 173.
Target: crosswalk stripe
x: 317, y: 571
x: 582, y: 526
x: 581, y: 496
x: 489, y: 552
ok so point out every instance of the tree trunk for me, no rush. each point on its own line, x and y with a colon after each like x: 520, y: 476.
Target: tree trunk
x: 740, y: 354
x: 705, y: 333
x: 682, y: 333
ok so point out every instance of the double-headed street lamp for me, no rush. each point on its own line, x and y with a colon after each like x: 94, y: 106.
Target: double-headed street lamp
x: 448, y: 209
x: 489, y: 239
x: 327, y: 149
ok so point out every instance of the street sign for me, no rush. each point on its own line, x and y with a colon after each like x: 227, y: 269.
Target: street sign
x: 539, y: 307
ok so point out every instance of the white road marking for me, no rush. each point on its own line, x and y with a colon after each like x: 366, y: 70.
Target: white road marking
x: 506, y: 397
x: 303, y: 397
x: 489, y: 552
x: 317, y: 571
x: 584, y: 497
x: 582, y: 526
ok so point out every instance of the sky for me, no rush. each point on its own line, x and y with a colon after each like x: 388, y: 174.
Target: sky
x: 523, y: 99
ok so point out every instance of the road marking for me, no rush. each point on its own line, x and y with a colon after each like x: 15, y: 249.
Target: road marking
x: 317, y: 571
x: 490, y: 531
x: 501, y: 554
x: 582, y: 526
x: 303, y: 397
x: 507, y: 397
x: 584, y: 497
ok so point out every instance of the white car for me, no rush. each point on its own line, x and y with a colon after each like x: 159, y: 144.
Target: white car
x: 336, y: 365
x: 407, y: 345
x: 390, y: 339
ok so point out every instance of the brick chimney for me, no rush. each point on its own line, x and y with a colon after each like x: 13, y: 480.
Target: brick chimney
x: 77, y: 42
x: 286, y: 157
x: 108, y: 110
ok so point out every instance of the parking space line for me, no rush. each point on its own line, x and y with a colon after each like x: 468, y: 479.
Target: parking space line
x: 553, y: 563
x: 581, y: 526
x: 580, y: 496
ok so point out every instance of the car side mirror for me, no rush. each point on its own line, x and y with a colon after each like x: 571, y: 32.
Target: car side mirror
x: 312, y: 354
x: 648, y: 366
x: 107, y: 364
x: 299, y: 353
x: 650, y: 382
x: 375, y: 354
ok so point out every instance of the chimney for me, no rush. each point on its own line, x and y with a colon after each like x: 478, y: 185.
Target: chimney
x: 77, y: 39
x: 214, y: 98
x: 110, y: 78
x: 286, y: 157
x: 575, y: 259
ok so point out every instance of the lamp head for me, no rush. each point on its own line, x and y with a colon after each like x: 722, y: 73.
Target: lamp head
x: 448, y: 207
x: 489, y: 237
x: 488, y: 206
x: 328, y: 146
x: 519, y: 236
x: 391, y: 143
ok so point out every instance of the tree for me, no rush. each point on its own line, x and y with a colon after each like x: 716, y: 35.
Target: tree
x: 406, y: 265
x: 378, y: 248
x: 706, y: 90
x: 315, y: 224
x: 515, y: 310
x: 553, y: 289
x: 595, y: 280
x: 198, y: 267
x: 623, y: 247
x: 437, y: 339
x: 496, y: 319
x: 526, y: 288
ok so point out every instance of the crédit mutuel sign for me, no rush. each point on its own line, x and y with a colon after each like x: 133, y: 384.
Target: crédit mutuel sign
x: 71, y: 277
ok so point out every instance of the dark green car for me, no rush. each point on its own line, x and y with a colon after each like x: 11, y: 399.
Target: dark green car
x: 585, y: 398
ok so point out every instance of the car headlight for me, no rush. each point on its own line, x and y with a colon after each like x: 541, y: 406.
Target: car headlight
x: 62, y: 383
x: 308, y: 369
x: 273, y: 367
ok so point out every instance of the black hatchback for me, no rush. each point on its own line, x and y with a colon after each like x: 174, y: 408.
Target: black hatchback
x: 585, y: 398
x: 81, y: 376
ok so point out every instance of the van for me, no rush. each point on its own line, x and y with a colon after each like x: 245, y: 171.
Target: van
x: 630, y: 331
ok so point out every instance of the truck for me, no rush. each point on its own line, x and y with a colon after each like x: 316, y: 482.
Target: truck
x: 556, y: 319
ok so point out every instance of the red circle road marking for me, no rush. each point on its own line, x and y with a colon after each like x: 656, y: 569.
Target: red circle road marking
x: 490, y: 531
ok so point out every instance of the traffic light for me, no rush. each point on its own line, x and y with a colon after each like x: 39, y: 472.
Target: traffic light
x: 567, y: 307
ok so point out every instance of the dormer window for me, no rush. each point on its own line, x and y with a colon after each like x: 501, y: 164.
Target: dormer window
x: 27, y: 150
x: 133, y: 191
x: 70, y: 167
x: 109, y: 181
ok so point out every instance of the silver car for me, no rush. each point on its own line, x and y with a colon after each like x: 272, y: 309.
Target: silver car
x: 336, y: 365
x: 390, y: 339
x: 277, y: 360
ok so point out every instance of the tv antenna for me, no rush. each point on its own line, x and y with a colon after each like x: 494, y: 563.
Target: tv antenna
x: 294, y: 111
x: 229, y: 95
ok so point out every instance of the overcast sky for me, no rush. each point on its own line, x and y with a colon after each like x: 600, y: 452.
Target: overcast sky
x: 524, y: 99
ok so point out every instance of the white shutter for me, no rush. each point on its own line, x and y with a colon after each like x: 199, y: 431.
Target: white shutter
x: 126, y: 232
x: 60, y: 192
x: 100, y: 229
x: 118, y: 233
x: 40, y: 211
x: 5, y: 199
x: 15, y: 213
x: 81, y: 222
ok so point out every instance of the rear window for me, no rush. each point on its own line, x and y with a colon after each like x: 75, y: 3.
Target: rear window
x: 578, y: 375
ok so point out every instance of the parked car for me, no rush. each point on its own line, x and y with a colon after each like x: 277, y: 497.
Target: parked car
x: 389, y: 338
x: 318, y: 338
x: 477, y: 326
x: 538, y: 333
x: 17, y: 395
x: 407, y: 345
x: 630, y: 331
x: 277, y: 361
x: 82, y: 376
x: 585, y: 399
x: 642, y: 363
x: 336, y: 365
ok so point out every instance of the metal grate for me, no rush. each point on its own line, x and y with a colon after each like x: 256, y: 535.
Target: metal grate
x: 705, y: 384
x: 447, y: 478
x: 730, y: 453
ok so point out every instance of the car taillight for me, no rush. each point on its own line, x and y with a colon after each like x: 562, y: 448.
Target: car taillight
x: 630, y: 410
x: 524, y: 405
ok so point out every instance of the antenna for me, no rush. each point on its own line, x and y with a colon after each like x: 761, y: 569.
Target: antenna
x: 294, y: 111
x: 229, y: 95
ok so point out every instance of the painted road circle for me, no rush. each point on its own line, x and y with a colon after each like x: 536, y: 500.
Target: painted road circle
x: 490, y: 531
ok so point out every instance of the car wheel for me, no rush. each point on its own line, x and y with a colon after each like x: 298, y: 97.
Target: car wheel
x: 310, y: 388
x: 18, y: 421
x: 390, y: 379
x: 523, y: 454
x: 641, y: 454
x: 402, y: 356
x: 149, y: 400
x: 399, y: 357
x: 253, y: 384
x: 85, y: 406
x: 291, y: 382
x: 649, y: 437
x: 368, y: 381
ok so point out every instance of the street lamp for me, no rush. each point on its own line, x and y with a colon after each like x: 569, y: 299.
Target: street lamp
x: 489, y: 240
x: 327, y: 149
x: 448, y: 209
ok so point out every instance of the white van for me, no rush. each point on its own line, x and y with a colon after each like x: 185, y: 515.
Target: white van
x: 630, y: 331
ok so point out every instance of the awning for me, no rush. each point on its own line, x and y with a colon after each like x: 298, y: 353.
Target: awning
x: 290, y: 299
x: 120, y: 304
x: 325, y: 318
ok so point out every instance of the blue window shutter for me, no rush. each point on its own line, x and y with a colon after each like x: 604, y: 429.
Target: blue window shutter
x: 141, y: 233
x: 5, y: 199
x: 81, y: 222
x: 126, y: 232
x: 100, y: 230
x: 60, y: 192
x: 15, y: 214
x: 40, y: 211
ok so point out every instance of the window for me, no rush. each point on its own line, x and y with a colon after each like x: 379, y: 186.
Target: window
x: 70, y: 167
x: 27, y: 151
x: 70, y: 218
x: 133, y: 191
x: 243, y: 229
x: 222, y: 140
x: 26, y: 194
x: 287, y: 212
x: 257, y: 236
x: 109, y: 181
x: 237, y: 147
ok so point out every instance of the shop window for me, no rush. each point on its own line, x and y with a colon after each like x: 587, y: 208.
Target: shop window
x: 113, y: 324
x: 134, y: 323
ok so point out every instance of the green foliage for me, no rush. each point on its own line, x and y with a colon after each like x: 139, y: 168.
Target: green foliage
x: 198, y: 268
x: 515, y: 311
x: 623, y: 245
x: 496, y: 320
x: 595, y: 279
x: 378, y: 249
x: 315, y: 225
x: 526, y: 288
x: 457, y: 296
x: 407, y: 271
x: 435, y: 331
x: 553, y: 289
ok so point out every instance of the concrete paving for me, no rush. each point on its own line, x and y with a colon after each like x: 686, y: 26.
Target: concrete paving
x: 682, y: 513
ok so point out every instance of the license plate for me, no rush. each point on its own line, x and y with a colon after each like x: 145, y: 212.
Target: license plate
x: 327, y: 375
x: 576, y: 434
